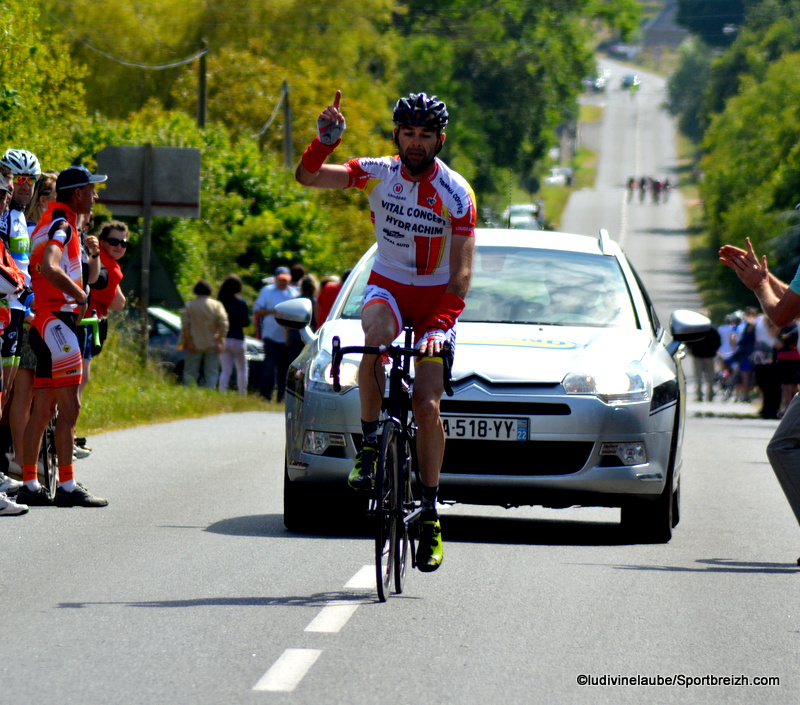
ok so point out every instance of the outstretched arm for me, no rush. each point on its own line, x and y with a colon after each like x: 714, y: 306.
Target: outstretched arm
x: 312, y: 171
x: 780, y: 304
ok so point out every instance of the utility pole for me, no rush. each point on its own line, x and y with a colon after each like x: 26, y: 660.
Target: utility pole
x: 202, y: 89
x: 288, y: 160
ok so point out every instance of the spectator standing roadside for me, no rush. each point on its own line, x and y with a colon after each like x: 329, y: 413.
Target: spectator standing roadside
x: 704, y: 352
x: 105, y: 294
x: 60, y: 303
x: 90, y: 273
x: 788, y: 363
x: 327, y: 295
x: 765, y: 374
x: 781, y: 304
x: 727, y: 336
x: 309, y: 287
x: 19, y: 407
x: 276, y: 351
x: 297, y: 272
x: 233, y: 352
x: 25, y: 169
x: 11, y: 279
x: 743, y: 354
x: 204, y: 324
x: 43, y: 192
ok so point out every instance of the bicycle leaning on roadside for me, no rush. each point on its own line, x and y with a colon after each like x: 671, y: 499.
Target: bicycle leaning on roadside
x: 395, y: 503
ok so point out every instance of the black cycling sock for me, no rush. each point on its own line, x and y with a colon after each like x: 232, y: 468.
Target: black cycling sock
x: 429, y: 496
x: 370, y: 431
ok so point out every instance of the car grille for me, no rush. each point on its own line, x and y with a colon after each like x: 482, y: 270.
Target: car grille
x: 491, y: 408
x: 515, y: 459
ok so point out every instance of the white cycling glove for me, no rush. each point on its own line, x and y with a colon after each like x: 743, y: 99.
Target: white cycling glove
x: 431, y: 337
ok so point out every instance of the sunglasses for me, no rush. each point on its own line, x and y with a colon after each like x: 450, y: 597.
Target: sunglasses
x: 30, y: 180
x: 116, y: 242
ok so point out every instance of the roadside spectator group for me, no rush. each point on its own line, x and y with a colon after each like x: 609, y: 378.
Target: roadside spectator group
x: 748, y: 359
x: 56, y: 270
x: 212, y: 330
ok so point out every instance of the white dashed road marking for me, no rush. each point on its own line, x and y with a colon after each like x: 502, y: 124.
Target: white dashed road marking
x: 293, y: 664
x: 364, y: 579
x: 288, y: 670
x: 332, y: 617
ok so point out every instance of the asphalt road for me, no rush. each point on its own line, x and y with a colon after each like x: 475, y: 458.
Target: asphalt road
x: 186, y: 589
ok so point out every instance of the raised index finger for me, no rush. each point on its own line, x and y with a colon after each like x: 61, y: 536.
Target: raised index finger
x: 336, y: 99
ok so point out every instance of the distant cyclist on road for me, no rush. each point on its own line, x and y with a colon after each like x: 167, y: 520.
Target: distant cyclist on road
x: 424, y: 216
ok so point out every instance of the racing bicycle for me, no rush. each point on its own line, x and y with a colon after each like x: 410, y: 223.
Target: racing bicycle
x: 395, y: 504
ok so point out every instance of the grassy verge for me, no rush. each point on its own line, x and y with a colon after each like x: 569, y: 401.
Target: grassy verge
x: 123, y: 393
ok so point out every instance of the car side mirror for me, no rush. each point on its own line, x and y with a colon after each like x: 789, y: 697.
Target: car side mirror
x: 295, y: 314
x: 685, y: 327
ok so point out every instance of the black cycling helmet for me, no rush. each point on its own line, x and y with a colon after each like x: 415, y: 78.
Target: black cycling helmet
x: 419, y: 109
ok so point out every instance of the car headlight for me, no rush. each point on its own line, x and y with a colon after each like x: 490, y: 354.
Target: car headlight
x: 612, y: 384
x: 319, y: 374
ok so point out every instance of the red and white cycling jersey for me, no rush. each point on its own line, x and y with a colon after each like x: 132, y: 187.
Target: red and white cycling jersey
x: 58, y: 225
x: 414, y: 220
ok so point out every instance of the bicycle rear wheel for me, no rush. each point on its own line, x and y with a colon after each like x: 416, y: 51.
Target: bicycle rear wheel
x: 48, y: 461
x: 385, y: 515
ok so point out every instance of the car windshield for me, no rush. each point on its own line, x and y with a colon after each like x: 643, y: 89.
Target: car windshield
x: 533, y: 286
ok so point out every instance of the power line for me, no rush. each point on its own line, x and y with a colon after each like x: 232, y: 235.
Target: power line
x: 157, y: 67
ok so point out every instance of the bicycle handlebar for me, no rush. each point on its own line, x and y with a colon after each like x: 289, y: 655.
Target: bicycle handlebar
x: 94, y: 323
x: 393, y: 351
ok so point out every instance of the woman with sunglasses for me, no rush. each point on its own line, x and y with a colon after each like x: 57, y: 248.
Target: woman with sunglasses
x: 105, y: 294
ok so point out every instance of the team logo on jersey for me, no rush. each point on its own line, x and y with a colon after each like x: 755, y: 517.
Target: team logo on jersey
x: 398, y: 189
x: 431, y: 201
x: 66, y: 348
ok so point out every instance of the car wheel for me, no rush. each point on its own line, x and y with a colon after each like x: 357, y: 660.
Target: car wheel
x: 315, y: 507
x: 647, y: 520
x: 652, y: 520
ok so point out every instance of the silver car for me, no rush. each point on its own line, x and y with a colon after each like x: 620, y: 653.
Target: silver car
x: 568, y: 390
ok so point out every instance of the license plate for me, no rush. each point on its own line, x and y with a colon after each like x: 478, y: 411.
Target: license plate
x: 485, y: 428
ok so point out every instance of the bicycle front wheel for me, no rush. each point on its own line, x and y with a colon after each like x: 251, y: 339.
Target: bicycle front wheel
x: 405, y: 504
x: 385, y: 515
x: 48, y: 461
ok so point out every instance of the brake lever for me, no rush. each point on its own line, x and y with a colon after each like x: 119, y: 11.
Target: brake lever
x: 447, y: 368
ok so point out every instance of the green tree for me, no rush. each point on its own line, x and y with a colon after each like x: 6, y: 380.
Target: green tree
x: 686, y: 87
x: 752, y: 160
x: 41, y: 89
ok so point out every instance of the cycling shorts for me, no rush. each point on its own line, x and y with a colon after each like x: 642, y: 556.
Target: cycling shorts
x: 415, y: 303
x: 54, y: 339
x: 9, y: 350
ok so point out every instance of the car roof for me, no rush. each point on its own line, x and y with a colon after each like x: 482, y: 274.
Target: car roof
x: 547, y: 240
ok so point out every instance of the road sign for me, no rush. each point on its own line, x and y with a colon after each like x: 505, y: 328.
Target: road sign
x: 174, y: 181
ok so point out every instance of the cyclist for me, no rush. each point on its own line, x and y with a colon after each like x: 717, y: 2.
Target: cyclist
x: 60, y: 303
x: 14, y: 230
x: 424, y: 215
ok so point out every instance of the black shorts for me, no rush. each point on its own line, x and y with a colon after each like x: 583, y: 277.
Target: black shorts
x: 11, y: 337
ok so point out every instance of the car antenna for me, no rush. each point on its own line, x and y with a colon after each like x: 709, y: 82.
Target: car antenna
x: 604, y: 240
